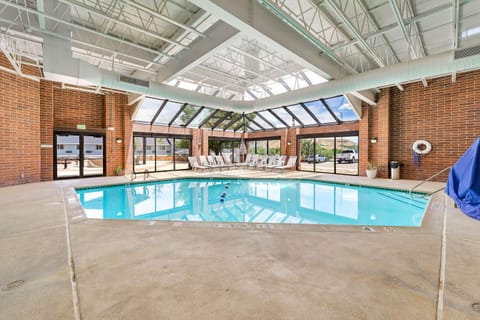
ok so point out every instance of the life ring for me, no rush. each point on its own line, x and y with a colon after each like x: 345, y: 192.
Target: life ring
x: 427, y: 147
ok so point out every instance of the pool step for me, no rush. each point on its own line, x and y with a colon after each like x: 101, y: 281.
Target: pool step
x: 405, y: 198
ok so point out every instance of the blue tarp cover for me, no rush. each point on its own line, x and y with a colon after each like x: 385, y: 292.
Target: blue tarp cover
x: 463, y: 183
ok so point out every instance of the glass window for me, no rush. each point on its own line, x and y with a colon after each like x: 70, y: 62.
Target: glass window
x: 320, y: 111
x: 147, y: 110
x: 261, y: 147
x: 187, y: 113
x: 347, y: 154
x: 282, y: 113
x: 341, y: 108
x: 272, y: 119
x: 307, y: 162
x: 200, y: 118
x: 168, y: 112
x: 274, y: 147
x: 301, y: 114
x: 182, y: 151
x: 260, y: 121
x: 213, y: 120
x: 325, y: 154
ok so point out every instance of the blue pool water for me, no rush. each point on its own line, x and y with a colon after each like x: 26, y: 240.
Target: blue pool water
x: 254, y: 200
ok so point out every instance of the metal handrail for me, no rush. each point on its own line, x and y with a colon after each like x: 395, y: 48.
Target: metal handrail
x: 428, y: 179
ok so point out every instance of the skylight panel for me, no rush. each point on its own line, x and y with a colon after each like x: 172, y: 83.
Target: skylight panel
x: 320, y: 111
x: 147, y: 110
x: 168, y: 112
x: 341, y: 108
x: 301, y: 114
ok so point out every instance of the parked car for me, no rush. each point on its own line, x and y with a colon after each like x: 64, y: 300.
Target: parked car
x: 317, y: 158
x: 347, y: 155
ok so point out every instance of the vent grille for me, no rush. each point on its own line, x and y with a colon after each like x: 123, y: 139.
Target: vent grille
x: 467, y: 52
x: 138, y: 82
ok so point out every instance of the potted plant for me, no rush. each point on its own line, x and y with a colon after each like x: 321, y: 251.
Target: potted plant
x: 371, y: 170
x: 118, y: 170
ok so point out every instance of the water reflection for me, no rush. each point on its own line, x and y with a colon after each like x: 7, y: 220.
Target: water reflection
x: 261, y: 201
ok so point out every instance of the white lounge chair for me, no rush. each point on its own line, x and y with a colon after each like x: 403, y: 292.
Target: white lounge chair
x: 194, y: 164
x: 204, y: 161
x: 222, y: 163
x: 262, y: 162
x: 253, y: 161
x: 292, y: 162
x: 228, y: 161
x: 280, y: 162
x: 212, y: 162
x: 248, y: 158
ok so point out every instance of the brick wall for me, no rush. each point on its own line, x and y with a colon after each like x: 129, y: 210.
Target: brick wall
x: 446, y: 114
x: 379, y: 127
x: 19, y: 130
x: 46, y: 129
x: 73, y: 107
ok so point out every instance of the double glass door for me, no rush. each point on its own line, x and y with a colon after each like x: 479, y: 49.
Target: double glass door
x: 79, y: 155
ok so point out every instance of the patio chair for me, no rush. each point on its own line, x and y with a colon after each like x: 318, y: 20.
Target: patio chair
x: 280, y: 162
x: 212, y: 163
x: 222, y: 163
x: 194, y: 164
x: 204, y: 162
x: 248, y: 158
x: 262, y: 162
x: 228, y: 161
x: 253, y: 161
x: 292, y: 162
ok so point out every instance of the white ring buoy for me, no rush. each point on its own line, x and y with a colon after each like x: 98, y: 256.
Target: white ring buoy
x: 427, y: 147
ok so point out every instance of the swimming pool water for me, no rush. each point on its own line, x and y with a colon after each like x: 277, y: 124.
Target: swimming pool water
x: 254, y: 200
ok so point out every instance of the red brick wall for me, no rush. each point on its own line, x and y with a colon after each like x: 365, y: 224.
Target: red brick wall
x: 19, y: 130
x: 75, y: 107
x: 378, y: 127
x: 446, y: 114
x: 46, y: 129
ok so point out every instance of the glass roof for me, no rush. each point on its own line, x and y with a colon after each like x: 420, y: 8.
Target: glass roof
x: 302, y: 115
x: 341, y: 108
x: 167, y: 113
x: 320, y: 111
x: 170, y: 113
x: 272, y: 119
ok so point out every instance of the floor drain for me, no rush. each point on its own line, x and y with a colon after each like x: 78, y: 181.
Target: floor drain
x: 12, y: 285
x: 476, y: 306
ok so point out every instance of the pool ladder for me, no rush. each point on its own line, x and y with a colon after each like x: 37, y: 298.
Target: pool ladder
x: 146, y: 175
x: 428, y: 179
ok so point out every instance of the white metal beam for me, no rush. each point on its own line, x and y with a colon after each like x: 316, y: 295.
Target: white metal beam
x: 455, y: 22
x: 219, y: 36
x: 250, y: 17
x: 355, y: 103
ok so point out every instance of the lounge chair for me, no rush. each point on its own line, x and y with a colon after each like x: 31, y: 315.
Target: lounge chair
x: 280, y: 162
x: 262, y: 162
x: 204, y: 162
x: 292, y: 162
x: 194, y: 164
x: 212, y: 162
x: 248, y: 158
x: 253, y: 161
x: 228, y: 161
x: 222, y: 163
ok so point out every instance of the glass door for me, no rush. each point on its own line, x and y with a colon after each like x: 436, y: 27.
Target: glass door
x: 67, y: 156
x: 92, y: 155
x: 182, y: 151
x: 78, y: 155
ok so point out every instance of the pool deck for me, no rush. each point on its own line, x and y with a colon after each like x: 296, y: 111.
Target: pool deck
x: 187, y: 270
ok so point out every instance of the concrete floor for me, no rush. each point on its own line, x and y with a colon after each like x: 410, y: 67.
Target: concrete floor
x: 182, y: 270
